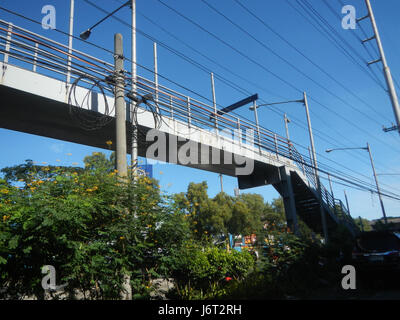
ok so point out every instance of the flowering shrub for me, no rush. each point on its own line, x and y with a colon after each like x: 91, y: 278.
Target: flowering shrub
x: 200, y: 270
x: 91, y: 226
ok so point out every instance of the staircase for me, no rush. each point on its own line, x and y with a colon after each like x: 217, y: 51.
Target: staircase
x: 307, y: 201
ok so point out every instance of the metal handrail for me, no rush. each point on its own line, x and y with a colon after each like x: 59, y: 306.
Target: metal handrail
x: 170, y: 102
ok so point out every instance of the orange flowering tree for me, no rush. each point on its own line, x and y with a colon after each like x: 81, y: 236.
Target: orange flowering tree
x: 91, y: 226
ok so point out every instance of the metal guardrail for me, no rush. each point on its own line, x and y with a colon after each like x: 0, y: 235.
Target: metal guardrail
x: 54, y: 59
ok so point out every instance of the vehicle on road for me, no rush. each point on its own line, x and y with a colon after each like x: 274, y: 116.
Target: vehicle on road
x: 377, y: 250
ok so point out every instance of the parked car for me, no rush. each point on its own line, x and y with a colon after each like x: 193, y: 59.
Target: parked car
x: 377, y: 250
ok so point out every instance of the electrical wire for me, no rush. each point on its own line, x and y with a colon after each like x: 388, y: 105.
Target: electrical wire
x: 117, y: 19
x: 306, y: 57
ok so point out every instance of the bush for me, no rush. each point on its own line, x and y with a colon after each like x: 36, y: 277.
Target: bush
x: 201, y: 271
x: 92, y: 227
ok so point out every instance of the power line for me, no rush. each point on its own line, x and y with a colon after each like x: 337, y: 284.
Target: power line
x: 291, y: 64
x: 342, y: 43
x: 107, y: 50
x: 145, y: 68
x: 267, y: 70
x: 321, y: 29
x: 236, y: 87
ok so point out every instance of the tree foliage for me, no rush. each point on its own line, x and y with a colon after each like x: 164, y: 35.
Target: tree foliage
x: 96, y: 229
x: 91, y: 226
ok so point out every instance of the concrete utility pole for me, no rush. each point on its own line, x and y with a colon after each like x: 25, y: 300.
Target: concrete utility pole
x: 377, y: 184
x: 120, y: 113
x: 134, y: 145
x: 323, y: 217
x: 222, y: 186
x: 386, y: 70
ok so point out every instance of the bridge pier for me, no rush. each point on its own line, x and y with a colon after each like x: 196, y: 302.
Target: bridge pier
x: 287, y: 194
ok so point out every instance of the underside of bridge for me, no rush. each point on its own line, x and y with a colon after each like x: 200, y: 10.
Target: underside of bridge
x: 33, y: 114
x: 29, y: 113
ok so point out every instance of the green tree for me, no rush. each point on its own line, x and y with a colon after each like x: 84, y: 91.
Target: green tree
x: 199, y: 269
x: 98, y: 160
x: 28, y: 171
x: 221, y: 215
x: 240, y: 222
x: 364, y: 224
x: 205, y: 216
x: 92, y: 227
x: 256, y: 208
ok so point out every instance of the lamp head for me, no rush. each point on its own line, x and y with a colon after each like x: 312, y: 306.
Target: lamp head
x: 328, y: 150
x: 85, y: 35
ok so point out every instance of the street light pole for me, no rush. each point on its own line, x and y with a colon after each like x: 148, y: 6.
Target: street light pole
x: 373, y: 171
x: 310, y: 134
x: 323, y: 217
x: 86, y: 34
x: 377, y: 184
x: 254, y: 107
x: 313, y: 155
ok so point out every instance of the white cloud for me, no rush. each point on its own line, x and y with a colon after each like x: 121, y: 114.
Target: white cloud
x: 57, y: 147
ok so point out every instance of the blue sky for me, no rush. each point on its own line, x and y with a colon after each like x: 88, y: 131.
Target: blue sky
x: 335, y: 123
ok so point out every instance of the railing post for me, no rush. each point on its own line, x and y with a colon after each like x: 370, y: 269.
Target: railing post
x: 334, y: 207
x: 239, y: 132
x: 7, y: 50
x: 35, y: 57
x: 171, y: 109
x: 8, y: 44
x: 257, y: 125
x: 313, y: 165
x: 189, y: 112
x: 276, y: 146
x: 327, y: 197
x: 341, y: 209
x: 302, y: 165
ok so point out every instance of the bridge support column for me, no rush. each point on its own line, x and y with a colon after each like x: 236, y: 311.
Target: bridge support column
x: 288, y: 200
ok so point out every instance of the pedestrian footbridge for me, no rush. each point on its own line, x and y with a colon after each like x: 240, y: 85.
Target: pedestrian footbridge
x: 50, y: 90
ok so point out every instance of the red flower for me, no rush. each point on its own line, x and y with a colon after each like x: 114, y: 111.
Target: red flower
x: 228, y: 279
